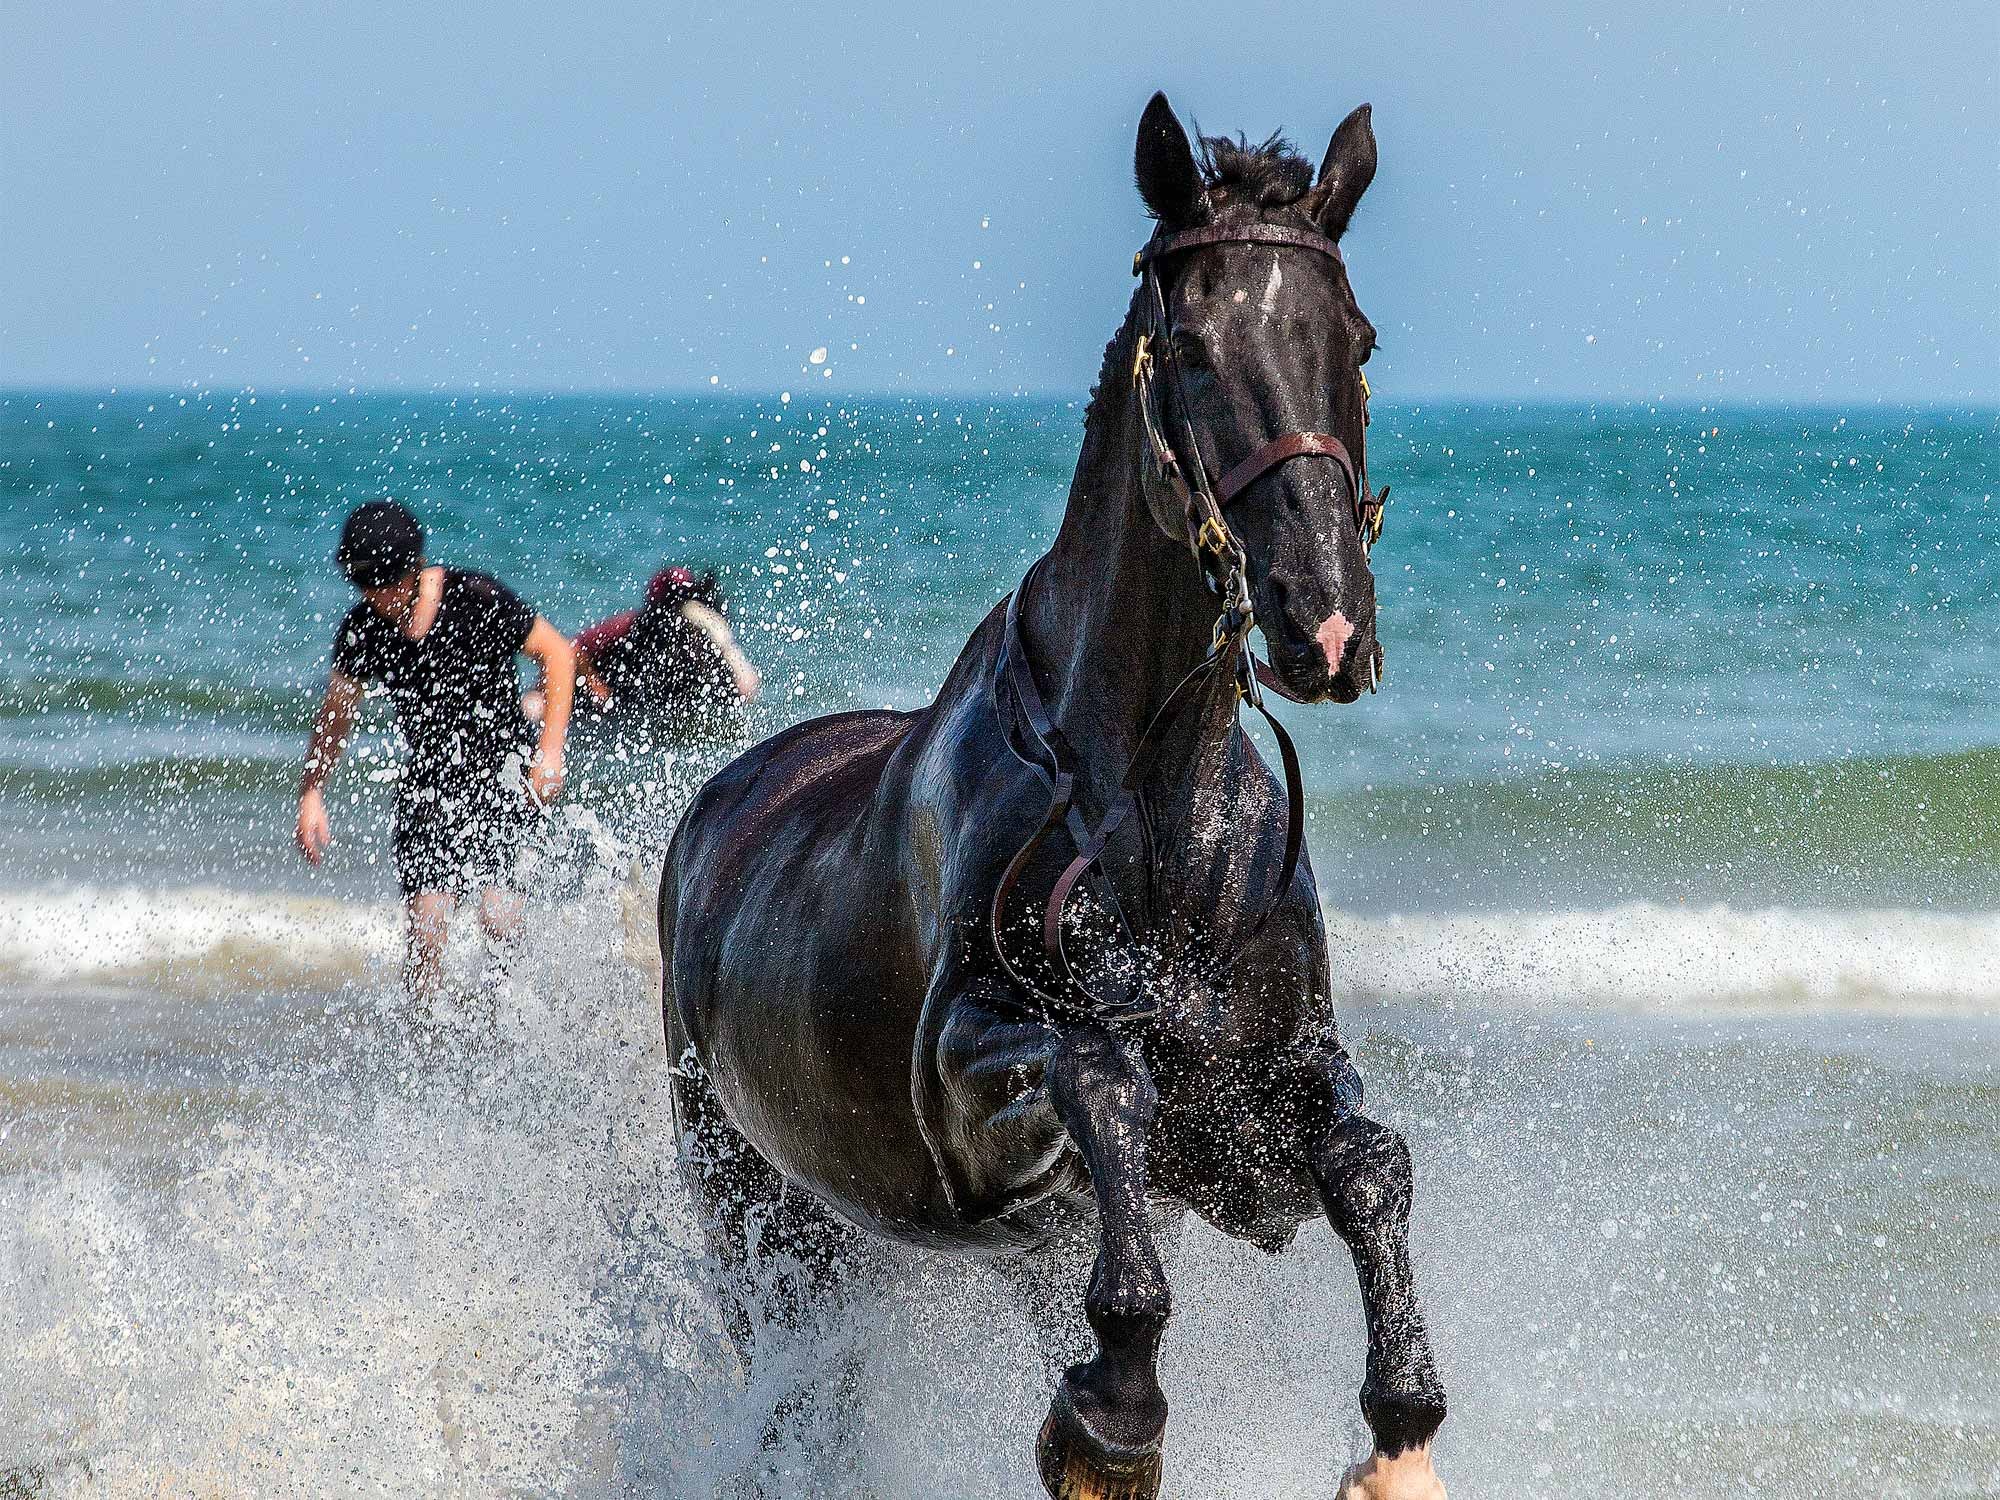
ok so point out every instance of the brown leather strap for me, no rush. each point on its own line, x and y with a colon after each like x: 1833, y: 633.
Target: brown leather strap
x: 1278, y: 450
x: 1050, y: 755
x: 1271, y: 682
x: 1130, y: 788
x: 1295, y: 815
x: 1233, y: 234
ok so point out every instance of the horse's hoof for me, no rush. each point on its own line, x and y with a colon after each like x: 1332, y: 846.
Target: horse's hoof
x: 1078, y: 1464
x: 1407, y: 1476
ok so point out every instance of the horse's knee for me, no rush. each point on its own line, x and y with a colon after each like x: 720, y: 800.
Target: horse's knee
x: 1097, y: 1076
x: 1363, y: 1170
x: 1105, y: 1096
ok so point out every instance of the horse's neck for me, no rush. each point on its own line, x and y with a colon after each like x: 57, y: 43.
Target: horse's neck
x: 1117, y: 616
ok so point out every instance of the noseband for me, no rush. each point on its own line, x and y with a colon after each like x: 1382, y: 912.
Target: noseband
x: 1225, y: 569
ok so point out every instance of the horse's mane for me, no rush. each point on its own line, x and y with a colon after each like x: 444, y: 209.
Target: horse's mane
x: 1270, y: 174
x: 1113, y: 373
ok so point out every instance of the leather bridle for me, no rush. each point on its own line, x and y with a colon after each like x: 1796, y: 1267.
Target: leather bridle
x: 1225, y: 568
x: 1202, y: 504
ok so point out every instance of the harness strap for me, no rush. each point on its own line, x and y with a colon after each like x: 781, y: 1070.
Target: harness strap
x: 1215, y: 549
x: 1130, y: 787
x: 1055, y: 757
x: 1231, y: 647
x: 1295, y: 815
x: 1129, y: 795
x: 1288, y: 446
x: 1063, y: 785
x: 1233, y: 234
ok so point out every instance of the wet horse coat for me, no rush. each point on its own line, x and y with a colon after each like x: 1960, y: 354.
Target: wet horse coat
x: 835, y: 1002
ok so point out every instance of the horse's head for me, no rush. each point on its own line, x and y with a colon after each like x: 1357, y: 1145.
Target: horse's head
x: 1265, y: 340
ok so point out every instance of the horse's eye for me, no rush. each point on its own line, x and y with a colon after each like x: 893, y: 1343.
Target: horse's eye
x: 1188, y: 350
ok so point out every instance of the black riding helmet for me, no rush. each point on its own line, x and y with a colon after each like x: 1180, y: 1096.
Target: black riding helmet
x: 382, y: 543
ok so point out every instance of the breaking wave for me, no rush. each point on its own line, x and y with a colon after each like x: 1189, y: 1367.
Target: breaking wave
x: 1647, y: 956
x: 1636, y: 956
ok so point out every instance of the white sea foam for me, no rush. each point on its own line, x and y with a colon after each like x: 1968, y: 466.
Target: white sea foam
x: 1680, y: 958
x: 199, y: 934
x: 1636, y: 956
x: 456, y: 1265
x: 403, y: 1282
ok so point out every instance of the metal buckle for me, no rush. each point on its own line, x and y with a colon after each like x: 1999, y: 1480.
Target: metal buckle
x: 1248, y: 689
x: 1142, y: 356
x: 1212, y: 536
x: 1232, y: 627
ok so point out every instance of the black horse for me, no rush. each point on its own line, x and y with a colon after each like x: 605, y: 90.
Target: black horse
x: 1039, y: 965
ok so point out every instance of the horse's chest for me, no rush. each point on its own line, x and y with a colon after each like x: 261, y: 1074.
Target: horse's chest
x: 1253, y: 1009
x: 1229, y: 1142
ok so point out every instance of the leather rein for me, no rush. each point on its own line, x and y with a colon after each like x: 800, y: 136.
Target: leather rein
x: 1225, y: 569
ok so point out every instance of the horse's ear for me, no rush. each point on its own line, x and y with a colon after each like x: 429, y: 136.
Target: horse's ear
x: 1345, y: 173
x: 1163, y: 163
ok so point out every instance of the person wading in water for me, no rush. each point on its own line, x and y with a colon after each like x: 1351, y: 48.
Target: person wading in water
x: 441, y: 641
x: 666, y: 670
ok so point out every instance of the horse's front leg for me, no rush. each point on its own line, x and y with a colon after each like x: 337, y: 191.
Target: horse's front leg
x: 1102, y: 1437
x: 1362, y: 1170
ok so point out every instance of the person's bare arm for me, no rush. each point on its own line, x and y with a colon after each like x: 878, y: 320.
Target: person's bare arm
x: 712, y: 625
x: 551, y: 648
x: 331, y: 727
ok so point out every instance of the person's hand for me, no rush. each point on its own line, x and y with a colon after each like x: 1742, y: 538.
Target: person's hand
x: 314, y: 833
x: 545, y: 778
x: 532, y: 704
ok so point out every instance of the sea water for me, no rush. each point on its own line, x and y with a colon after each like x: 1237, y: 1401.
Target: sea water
x: 1663, y: 878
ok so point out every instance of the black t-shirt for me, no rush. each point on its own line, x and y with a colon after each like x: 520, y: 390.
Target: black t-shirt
x: 662, y: 666
x: 457, y: 698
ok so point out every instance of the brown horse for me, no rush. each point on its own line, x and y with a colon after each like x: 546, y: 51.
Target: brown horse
x: 1040, y: 965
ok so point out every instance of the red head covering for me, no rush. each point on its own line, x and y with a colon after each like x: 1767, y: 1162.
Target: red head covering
x: 671, y: 583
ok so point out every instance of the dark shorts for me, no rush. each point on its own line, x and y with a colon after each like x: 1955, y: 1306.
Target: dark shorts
x: 462, y: 831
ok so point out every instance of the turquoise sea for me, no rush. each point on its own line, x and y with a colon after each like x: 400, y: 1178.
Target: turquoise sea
x: 1664, y: 873
x: 1683, y: 653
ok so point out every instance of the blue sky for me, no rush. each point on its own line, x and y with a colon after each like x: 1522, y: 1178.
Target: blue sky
x: 1780, y: 200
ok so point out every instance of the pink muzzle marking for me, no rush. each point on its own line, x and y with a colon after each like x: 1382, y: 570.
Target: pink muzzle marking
x: 1333, y: 637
